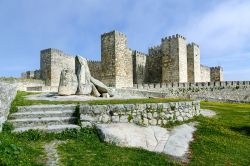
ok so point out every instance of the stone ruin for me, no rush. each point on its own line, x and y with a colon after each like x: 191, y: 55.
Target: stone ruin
x: 80, y: 81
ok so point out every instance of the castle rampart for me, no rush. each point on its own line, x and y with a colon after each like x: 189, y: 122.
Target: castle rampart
x: 173, y: 61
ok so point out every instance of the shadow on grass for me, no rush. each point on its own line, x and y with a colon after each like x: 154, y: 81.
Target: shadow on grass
x: 245, y: 130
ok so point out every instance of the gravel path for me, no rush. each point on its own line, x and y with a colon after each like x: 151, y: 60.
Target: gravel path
x: 52, y: 155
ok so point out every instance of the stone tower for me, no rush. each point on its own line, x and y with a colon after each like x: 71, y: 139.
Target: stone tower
x: 117, y: 66
x: 139, y: 67
x: 52, y: 62
x: 174, y: 60
x: 216, y: 73
x: 193, y: 61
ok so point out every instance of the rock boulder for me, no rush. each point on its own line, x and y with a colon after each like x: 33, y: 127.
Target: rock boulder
x: 174, y: 142
x: 83, y: 76
x: 68, y: 83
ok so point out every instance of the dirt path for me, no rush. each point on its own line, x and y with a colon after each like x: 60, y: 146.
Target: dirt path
x: 52, y: 155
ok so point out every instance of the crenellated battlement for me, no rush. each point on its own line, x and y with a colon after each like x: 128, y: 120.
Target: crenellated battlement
x: 94, y: 61
x: 155, y: 51
x: 50, y: 50
x: 138, y: 53
x: 215, y: 84
x: 173, y: 37
x: 193, y: 44
x: 216, y: 68
x: 112, y: 33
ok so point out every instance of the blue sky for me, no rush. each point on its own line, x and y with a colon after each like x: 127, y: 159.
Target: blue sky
x: 220, y: 27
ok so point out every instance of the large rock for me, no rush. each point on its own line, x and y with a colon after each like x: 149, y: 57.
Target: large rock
x: 174, y: 142
x: 83, y: 76
x: 101, y: 87
x: 68, y: 83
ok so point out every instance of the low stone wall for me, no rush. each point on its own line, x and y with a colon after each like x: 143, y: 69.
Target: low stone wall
x: 7, y: 94
x: 22, y: 84
x: 43, y: 88
x: 142, y: 114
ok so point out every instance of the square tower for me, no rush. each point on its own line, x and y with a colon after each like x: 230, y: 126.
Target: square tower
x: 193, y: 60
x: 174, y: 60
x: 216, y: 73
x: 52, y: 62
x: 116, y: 61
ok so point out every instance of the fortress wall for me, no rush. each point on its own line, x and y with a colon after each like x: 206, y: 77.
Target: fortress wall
x: 176, y: 85
x: 95, y: 68
x: 154, y: 68
x: 193, y: 60
x: 53, y: 61
x: 216, y: 73
x: 205, y: 74
x: 225, y: 91
x: 139, y: 67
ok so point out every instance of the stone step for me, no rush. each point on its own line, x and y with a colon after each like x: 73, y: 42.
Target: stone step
x: 32, y: 122
x: 51, y: 128
x: 41, y: 114
x: 35, y: 108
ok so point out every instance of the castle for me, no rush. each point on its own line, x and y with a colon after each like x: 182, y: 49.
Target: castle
x: 172, y: 61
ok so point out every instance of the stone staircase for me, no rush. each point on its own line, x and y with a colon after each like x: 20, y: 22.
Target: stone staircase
x: 48, y: 118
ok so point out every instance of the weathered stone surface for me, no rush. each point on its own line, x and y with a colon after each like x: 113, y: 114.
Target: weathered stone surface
x: 101, y: 87
x: 83, y: 76
x: 95, y: 91
x: 208, y: 113
x: 142, y: 114
x: 105, y: 95
x: 68, y: 83
x: 174, y: 142
x: 7, y: 94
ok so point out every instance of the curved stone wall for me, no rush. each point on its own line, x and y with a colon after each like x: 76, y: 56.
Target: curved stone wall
x: 143, y: 114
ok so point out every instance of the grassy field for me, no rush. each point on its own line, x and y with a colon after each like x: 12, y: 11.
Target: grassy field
x: 222, y: 140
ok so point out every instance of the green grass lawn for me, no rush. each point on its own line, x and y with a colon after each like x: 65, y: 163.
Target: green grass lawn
x: 222, y: 140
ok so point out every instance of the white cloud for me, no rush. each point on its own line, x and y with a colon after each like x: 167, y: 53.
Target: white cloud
x: 222, y: 30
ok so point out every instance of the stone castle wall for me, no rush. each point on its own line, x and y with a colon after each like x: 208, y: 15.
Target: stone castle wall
x: 171, y: 61
x: 225, y: 91
x: 205, y: 74
x: 193, y: 61
x: 139, y: 67
x: 95, y: 68
x: 142, y: 114
x: 154, y: 68
x: 52, y: 62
